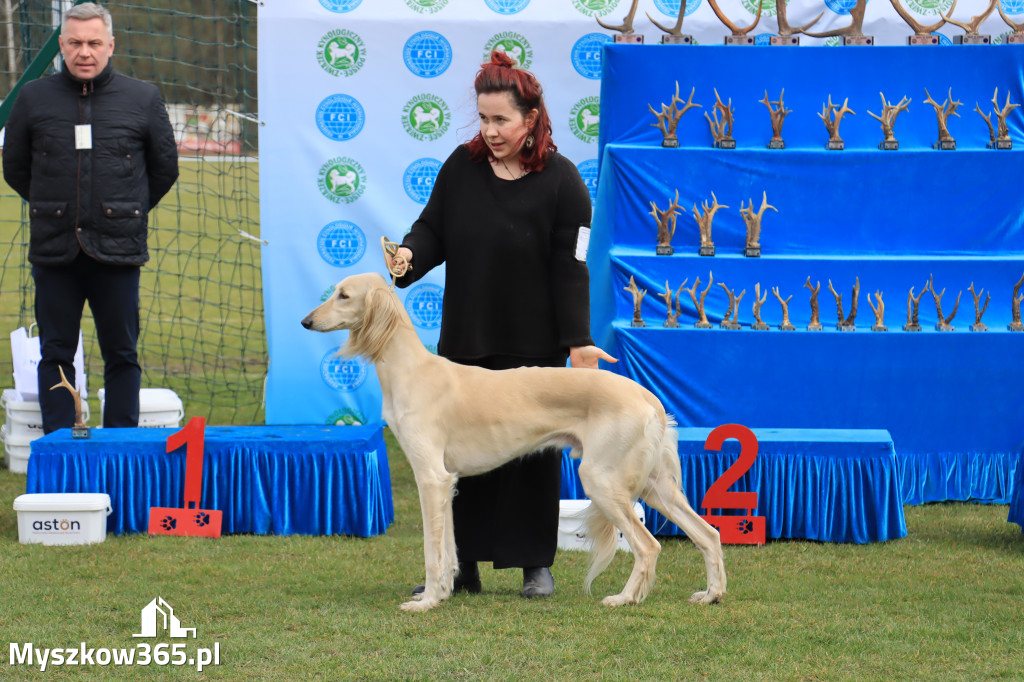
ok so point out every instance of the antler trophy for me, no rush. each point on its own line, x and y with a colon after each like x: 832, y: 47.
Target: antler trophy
x: 638, y: 297
x: 79, y: 430
x: 913, y: 310
x: 943, y: 112
x: 943, y: 324
x: 740, y: 36
x: 666, y: 225
x: 971, y: 36
x: 922, y: 34
x: 668, y: 119
x: 999, y: 137
x: 786, y: 326
x: 852, y: 34
x: 704, y: 218
x: 753, y: 221
x: 1017, y: 37
x: 674, y: 35
x: 734, y: 308
x: 815, y: 323
x: 702, y: 323
x: 672, y: 319
x: 848, y: 324
x: 1016, y: 325
x: 721, y: 131
x: 625, y: 30
x: 979, y: 310
x: 832, y: 117
x: 788, y: 35
x: 758, y: 302
x: 888, y: 120
x: 879, y: 310
x: 778, y: 116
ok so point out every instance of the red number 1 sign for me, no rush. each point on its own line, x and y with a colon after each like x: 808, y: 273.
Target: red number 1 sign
x: 190, y: 519
x: 735, y: 530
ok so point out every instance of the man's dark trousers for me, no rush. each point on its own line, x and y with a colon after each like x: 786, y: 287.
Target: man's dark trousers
x: 112, y: 292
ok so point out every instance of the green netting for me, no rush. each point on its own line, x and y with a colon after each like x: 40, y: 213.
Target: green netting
x: 202, y: 327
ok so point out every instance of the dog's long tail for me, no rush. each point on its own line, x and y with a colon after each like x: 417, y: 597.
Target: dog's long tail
x: 658, y: 452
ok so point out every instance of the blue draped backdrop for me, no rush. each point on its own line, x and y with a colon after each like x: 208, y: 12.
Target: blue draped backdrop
x: 314, y: 480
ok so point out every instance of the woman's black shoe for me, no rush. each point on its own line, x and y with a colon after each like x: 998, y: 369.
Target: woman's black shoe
x: 538, y: 582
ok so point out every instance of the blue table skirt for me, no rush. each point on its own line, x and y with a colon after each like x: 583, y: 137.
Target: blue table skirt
x: 982, y: 477
x: 316, y: 480
x: 832, y: 485
x: 1017, y: 497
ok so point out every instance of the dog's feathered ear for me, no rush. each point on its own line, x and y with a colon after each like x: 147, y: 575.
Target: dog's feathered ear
x: 382, y: 313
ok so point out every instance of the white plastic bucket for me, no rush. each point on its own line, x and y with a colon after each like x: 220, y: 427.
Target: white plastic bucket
x: 62, y: 518
x: 572, y: 534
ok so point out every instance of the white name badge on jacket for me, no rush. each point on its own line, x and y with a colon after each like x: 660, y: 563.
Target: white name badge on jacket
x: 83, y: 136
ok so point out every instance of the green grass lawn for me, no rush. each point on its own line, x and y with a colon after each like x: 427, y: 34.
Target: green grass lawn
x: 944, y: 603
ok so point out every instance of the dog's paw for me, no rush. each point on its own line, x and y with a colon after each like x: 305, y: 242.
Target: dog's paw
x: 705, y: 597
x: 617, y: 600
x: 418, y: 605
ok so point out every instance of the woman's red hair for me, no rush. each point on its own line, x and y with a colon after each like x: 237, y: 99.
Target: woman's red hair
x: 500, y: 75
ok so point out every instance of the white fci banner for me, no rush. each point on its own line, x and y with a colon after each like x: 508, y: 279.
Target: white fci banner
x: 362, y: 100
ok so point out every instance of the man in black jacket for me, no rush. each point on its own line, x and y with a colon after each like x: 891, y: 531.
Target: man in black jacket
x: 92, y: 151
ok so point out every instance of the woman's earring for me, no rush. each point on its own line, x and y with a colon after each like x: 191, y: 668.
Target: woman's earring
x: 529, y: 141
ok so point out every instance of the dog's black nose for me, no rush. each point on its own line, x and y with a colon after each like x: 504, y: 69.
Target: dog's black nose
x: 307, y: 322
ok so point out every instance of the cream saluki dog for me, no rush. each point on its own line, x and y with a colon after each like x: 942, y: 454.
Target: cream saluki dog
x: 454, y: 420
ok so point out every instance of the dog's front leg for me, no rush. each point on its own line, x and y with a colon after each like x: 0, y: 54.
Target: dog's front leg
x: 435, y: 490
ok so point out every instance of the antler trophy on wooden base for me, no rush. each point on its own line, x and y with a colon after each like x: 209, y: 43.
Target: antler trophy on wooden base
x: 734, y: 308
x: 943, y: 324
x: 702, y: 323
x: 1017, y: 36
x: 999, y: 137
x: 625, y: 29
x: 759, y: 300
x: 672, y: 318
x: 815, y: 323
x: 721, y: 131
x: 832, y: 117
x: 888, y: 120
x: 740, y: 36
x: 638, y: 297
x: 79, y: 429
x: 778, y: 116
x: 668, y: 119
x: 788, y: 35
x: 753, y: 221
x: 704, y: 218
x: 971, y: 36
x: 914, y: 309
x: 879, y: 310
x: 666, y: 225
x: 943, y: 112
x: 852, y: 34
x: 674, y: 35
x: 1015, y: 324
x: 979, y: 310
x: 923, y: 35
x: 848, y: 324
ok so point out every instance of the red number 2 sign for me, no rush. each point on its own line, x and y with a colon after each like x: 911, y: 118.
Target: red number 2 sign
x: 736, y: 530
